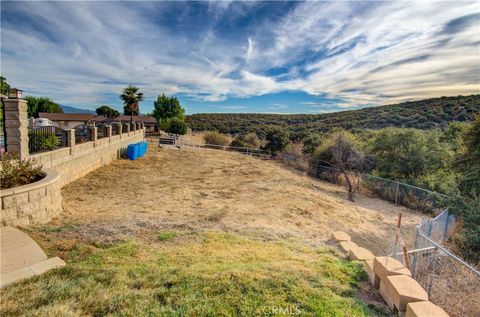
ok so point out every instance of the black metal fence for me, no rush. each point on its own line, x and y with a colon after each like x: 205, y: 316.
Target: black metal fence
x: 115, y: 128
x: 102, y: 130
x: 83, y: 133
x: 46, y: 138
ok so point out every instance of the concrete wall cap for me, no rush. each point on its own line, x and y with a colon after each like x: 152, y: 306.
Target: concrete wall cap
x: 51, y: 176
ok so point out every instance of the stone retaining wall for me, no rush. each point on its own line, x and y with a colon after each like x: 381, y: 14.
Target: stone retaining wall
x: 80, y: 159
x: 33, y: 203
x: 41, y: 201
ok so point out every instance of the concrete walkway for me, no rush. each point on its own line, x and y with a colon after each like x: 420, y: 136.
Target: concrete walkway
x: 21, y: 257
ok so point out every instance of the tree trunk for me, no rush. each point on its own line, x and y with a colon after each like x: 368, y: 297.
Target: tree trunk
x: 349, y: 185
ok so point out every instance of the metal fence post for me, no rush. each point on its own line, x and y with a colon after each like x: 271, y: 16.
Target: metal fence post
x: 396, y: 193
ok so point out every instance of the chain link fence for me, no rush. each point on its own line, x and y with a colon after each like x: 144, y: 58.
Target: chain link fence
x: 451, y: 283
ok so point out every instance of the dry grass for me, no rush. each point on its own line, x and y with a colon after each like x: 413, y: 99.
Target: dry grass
x: 200, y: 234
x: 208, y: 274
x: 204, y: 191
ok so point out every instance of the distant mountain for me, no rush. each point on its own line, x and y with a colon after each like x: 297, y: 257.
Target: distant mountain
x: 68, y: 109
x: 421, y: 114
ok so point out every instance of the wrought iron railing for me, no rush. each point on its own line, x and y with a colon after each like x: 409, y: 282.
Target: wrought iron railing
x: 102, y: 130
x: 115, y: 128
x: 83, y: 133
x: 48, y: 138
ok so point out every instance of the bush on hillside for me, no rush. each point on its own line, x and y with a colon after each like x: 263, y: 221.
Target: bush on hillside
x: 466, y: 239
x: 277, y: 140
x: 311, y: 142
x: 250, y: 140
x: 341, y: 151
x: 216, y: 138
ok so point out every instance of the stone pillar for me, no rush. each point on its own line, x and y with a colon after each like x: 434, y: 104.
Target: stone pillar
x: 109, y: 131
x: 94, y: 134
x: 128, y: 128
x: 71, y: 138
x: 119, y: 128
x: 16, y: 124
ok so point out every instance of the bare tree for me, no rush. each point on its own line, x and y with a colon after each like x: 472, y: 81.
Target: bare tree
x: 347, y: 159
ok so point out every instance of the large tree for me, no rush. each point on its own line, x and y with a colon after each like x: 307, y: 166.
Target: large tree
x: 408, y: 154
x: 41, y: 104
x: 167, y: 107
x: 107, y: 111
x: 4, y: 86
x: 131, y: 101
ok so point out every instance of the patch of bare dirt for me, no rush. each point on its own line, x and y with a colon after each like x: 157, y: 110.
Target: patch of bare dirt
x: 197, y: 191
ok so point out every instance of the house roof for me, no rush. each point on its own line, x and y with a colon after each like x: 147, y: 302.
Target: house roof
x: 71, y: 116
x: 144, y: 119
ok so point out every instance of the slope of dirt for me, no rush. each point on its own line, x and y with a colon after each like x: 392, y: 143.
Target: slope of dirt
x: 204, y: 191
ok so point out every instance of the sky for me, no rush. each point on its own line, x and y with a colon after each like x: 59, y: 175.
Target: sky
x: 263, y: 57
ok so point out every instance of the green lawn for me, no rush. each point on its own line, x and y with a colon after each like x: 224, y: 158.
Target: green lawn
x: 178, y: 274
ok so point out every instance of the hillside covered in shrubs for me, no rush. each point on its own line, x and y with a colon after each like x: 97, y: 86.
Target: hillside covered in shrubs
x: 422, y: 114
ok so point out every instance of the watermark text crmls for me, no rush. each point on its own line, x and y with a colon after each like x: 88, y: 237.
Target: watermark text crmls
x: 281, y: 310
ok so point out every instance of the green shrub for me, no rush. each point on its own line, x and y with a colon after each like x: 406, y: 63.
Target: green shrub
x: 277, y: 140
x: 15, y: 172
x: 311, y: 142
x: 216, y: 138
x: 250, y: 140
x: 466, y: 239
x: 174, y: 125
x: 42, y: 141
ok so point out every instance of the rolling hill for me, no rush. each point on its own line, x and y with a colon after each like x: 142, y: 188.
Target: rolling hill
x: 69, y: 109
x: 421, y: 114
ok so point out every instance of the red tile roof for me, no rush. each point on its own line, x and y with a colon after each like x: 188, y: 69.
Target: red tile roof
x: 144, y: 119
x: 71, y: 116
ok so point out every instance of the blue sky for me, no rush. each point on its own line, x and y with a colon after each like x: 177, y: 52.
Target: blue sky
x: 275, y: 57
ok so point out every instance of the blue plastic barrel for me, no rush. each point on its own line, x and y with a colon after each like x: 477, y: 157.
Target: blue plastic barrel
x: 140, y: 149
x: 132, y: 151
x: 143, y: 148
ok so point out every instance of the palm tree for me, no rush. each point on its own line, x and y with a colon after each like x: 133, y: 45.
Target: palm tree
x: 131, y: 100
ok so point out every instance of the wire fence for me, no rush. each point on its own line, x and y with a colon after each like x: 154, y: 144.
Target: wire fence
x: 451, y: 283
x: 399, y: 193
x: 186, y: 144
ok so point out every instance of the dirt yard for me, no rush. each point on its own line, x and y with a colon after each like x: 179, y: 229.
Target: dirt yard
x: 205, y: 191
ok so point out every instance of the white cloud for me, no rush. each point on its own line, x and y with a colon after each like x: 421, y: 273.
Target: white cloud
x: 363, y: 52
